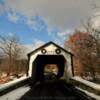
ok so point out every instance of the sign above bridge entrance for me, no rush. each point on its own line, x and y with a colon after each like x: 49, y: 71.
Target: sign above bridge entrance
x: 52, y: 52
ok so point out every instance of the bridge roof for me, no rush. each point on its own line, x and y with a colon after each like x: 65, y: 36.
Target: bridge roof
x: 45, y: 45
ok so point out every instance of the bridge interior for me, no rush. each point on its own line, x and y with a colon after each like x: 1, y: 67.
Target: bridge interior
x: 42, y: 61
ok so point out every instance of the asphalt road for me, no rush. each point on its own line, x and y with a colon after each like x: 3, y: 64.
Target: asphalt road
x: 54, y: 90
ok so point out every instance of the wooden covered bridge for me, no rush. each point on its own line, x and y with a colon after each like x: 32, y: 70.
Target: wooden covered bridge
x: 50, y: 58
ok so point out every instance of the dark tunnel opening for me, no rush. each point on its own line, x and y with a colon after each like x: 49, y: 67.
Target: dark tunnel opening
x: 41, y: 61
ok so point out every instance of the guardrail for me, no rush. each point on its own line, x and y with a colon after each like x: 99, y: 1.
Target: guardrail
x: 86, y: 85
x: 5, y: 88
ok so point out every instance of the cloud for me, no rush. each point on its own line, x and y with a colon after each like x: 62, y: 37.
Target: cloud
x: 37, y: 43
x: 11, y: 34
x: 51, y: 14
x: 1, y: 8
x: 65, y: 33
x: 37, y: 23
x: 13, y: 17
x: 96, y: 24
x: 95, y: 20
x: 30, y: 47
x: 63, y: 13
x: 59, y: 36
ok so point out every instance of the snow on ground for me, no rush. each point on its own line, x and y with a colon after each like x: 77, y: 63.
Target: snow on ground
x: 15, y: 94
x: 89, y: 94
x: 88, y: 83
x: 3, y: 86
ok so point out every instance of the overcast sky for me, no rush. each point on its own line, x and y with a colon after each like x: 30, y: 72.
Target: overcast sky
x: 39, y: 21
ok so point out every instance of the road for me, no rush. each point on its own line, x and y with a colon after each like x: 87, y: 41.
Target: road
x: 54, y: 90
x: 47, y: 90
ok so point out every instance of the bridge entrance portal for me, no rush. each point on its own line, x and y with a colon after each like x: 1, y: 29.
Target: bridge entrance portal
x: 44, y: 64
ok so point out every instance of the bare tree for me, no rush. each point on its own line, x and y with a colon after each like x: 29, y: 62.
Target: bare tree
x: 89, y: 25
x: 11, y: 48
x: 94, y: 31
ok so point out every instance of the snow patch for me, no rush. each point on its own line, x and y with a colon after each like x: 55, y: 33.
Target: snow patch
x: 6, y: 85
x: 15, y: 94
x: 89, y: 94
x: 90, y: 84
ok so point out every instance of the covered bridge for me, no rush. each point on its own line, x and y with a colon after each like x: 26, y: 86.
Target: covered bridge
x: 50, y: 58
